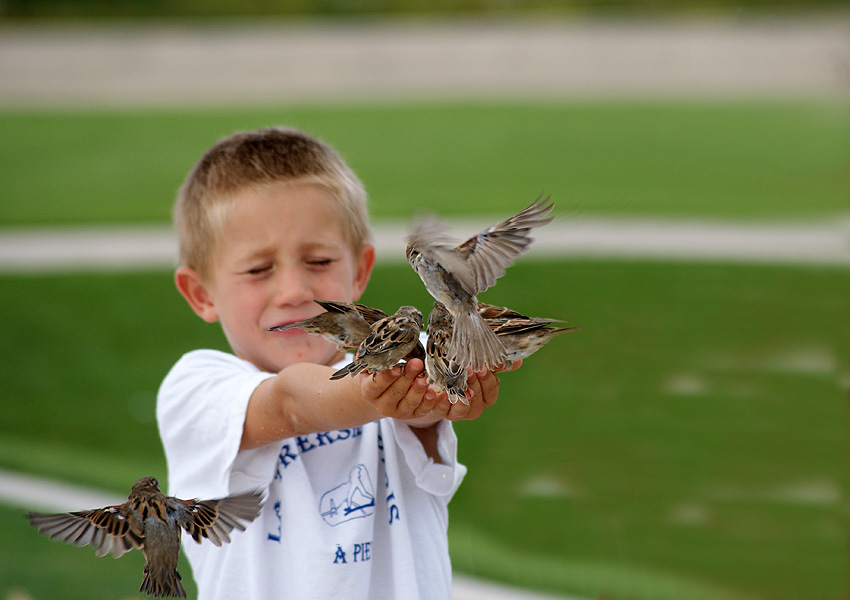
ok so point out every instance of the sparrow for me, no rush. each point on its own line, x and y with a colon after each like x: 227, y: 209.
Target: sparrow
x: 344, y: 324
x: 392, y: 339
x: 443, y: 371
x: 522, y: 336
x: 455, y: 274
x: 151, y: 521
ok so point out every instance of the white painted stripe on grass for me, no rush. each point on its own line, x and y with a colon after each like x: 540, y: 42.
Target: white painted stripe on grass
x: 37, y: 493
x: 111, y: 248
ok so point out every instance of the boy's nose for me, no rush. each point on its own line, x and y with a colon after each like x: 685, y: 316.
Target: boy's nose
x: 293, y: 288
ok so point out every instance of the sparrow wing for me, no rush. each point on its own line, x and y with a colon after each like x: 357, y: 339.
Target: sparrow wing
x: 429, y: 233
x: 491, y: 311
x: 105, y: 529
x: 444, y: 371
x: 372, y: 315
x: 493, y: 250
x: 352, y: 368
x: 215, y: 519
x: 430, y: 239
x: 387, y: 334
x: 502, y: 326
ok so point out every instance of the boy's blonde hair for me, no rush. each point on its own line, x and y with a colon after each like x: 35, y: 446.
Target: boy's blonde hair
x: 256, y: 158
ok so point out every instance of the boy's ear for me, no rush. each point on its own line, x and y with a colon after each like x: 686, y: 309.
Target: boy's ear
x: 365, y: 262
x: 190, y: 287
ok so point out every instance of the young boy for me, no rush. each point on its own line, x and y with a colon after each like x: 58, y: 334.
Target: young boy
x: 358, y: 472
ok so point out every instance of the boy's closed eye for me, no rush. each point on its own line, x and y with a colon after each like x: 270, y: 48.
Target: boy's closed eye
x: 319, y: 263
x: 259, y: 270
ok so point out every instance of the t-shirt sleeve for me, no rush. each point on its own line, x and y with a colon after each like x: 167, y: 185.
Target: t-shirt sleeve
x: 435, y: 478
x: 201, y: 413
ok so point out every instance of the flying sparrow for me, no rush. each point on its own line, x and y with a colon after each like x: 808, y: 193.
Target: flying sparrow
x: 392, y: 339
x: 523, y: 336
x: 443, y: 371
x: 151, y: 521
x: 345, y: 324
x: 453, y: 274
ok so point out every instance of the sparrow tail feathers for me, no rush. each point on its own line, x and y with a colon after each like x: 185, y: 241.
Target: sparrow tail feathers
x: 474, y: 343
x: 165, y: 583
x: 351, y: 368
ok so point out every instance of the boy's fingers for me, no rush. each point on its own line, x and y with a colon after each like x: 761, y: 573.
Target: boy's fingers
x: 412, y: 396
x: 414, y: 366
x: 516, y: 365
x: 401, y: 389
x: 488, y: 384
x: 427, y: 405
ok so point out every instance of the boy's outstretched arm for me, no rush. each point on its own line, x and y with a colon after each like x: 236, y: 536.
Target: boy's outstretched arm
x: 301, y: 399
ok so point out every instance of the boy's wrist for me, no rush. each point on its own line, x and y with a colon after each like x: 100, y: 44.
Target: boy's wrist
x: 422, y: 422
x: 427, y: 435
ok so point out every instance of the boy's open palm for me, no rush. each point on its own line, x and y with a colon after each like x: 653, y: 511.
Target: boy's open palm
x: 403, y: 393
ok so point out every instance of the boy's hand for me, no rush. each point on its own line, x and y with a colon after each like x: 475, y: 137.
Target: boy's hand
x: 400, y: 393
x: 404, y: 394
x: 484, y: 386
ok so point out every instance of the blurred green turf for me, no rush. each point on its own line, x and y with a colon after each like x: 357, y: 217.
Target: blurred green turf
x: 689, y: 442
x: 751, y: 160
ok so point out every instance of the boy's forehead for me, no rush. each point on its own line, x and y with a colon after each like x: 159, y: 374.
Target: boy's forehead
x: 306, y: 217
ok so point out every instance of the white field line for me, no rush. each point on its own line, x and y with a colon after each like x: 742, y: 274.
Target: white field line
x: 37, y: 493
x: 111, y: 248
x: 244, y: 62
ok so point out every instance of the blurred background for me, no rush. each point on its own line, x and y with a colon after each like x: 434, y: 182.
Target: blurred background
x: 689, y: 442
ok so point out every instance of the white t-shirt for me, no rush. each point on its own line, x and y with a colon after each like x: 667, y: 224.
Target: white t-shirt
x: 355, y: 513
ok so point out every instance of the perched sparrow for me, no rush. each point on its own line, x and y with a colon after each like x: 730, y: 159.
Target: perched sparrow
x: 151, y: 521
x: 523, y: 336
x: 454, y: 274
x: 443, y: 371
x: 344, y: 324
x: 392, y: 339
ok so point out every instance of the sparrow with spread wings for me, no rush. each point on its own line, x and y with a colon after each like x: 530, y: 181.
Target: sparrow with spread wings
x: 455, y: 273
x: 151, y: 521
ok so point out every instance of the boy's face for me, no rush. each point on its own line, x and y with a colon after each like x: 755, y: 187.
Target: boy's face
x: 281, y: 247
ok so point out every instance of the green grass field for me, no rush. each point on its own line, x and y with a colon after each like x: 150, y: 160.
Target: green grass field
x: 689, y: 443
x: 736, y: 160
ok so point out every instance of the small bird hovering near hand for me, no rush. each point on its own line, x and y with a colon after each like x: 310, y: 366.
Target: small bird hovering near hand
x: 345, y: 324
x: 443, y: 371
x: 454, y: 273
x: 522, y: 336
x: 391, y: 340
x: 151, y: 521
